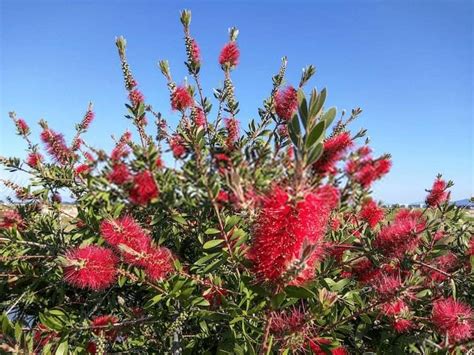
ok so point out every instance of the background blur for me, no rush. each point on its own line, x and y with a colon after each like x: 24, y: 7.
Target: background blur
x: 408, y: 64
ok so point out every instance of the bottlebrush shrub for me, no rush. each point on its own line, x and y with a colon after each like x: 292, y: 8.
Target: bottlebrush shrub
x: 264, y: 239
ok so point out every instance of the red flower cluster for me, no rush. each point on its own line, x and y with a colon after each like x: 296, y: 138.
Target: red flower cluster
x: 194, y: 52
x: 158, y: 262
x: 87, y: 120
x: 181, y: 99
x: 284, y: 229
x: 103, y: 325
x: 90, y: 267
x: 229, y: 55
x: 135, y: 245
x: 177, y: 146
x: 387, y: 284
x: 119, y: 174
x: 232, y: 126
x: 453, y: 318
x: 11, y: 219
x: 198, y: 117
x: 56, y: 145
x: 144, y: 188
x: 315, y: 346
x: 438, y: 193
x: 399, y: 312
x: 286, y: 103
x: 22, y: 126
x: 402, y: 235
x: 371, y: 213
x: 214, y: 294
x: 368, y: 170
x: 42, y: 336
x: 34, y: 159
x: 136, y: 97
x: 334, y: 149
x: 82, y: 169
x: 446, y: 263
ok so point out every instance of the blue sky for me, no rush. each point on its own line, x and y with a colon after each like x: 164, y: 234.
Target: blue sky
x: 408, y: 64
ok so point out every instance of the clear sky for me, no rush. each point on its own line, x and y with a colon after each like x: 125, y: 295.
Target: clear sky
x: 408, y: 64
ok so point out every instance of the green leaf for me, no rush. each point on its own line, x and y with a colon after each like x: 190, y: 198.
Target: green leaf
x: 213, y: 243
x: 62, y: 348
x: 212, y: 231
x: 302, y: 108
x: 299, y: 292
x: 316, y: 134
x: 179, y: 218
x: 315, y: 153
x: 294, y: 131
x: 278, y: 299
x: 329, y: 116
x: 320, y: 102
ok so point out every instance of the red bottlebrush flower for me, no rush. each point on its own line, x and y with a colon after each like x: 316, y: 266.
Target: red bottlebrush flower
x: 223, y: 162
x: 89, y: 157
x: 181, y: 99
x: 283, y: 130
x: 127, y: 236
x: 398, y: 311
x: 402, y: 236
x: 22, y: 127
x: 329, y: 194
x: 194, y: 52
x: 198, y: 116
x: 394, y: 308
x: 34, y: 159
x: 229, y: 55
x: 214, y: 294
x: 177, y: 146
x: 446, y: 263
x: 11, y: 219
x: 159, y: 163
x: 282, y: 229
x: 337, y: 251
x: 387, y: 284
x: 438, y: 193
x: 90, y: 267
x: 144, y: 188
x: 158, y: 263
x: 222, y: 197
x: 136, y: 97
x: 371, y: 213
x: 334, y: 149
x: 87, y: 120
x: 232, y: 126
x: 82, y: 169
x: 56, y: 145
x: 42, y: 335
x: 334, y: 224
x: 120, y: 151
x: 382, y: 167
x: 286, y: 103
x: 453, y: 318
x: 364, y: 270
x: 103, y: 325
x: 315, y: 346
x: 470, y: 251
x: 285, y: 322
x: 402, y: 325
x: 370, y: 170
x: 119, y: 174
x: 364, y: 151
x: 91, y: 348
